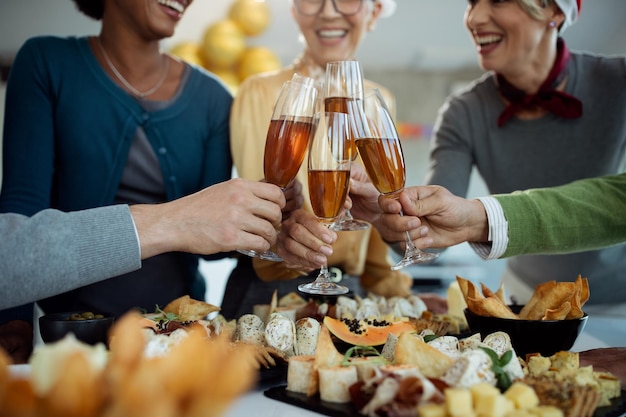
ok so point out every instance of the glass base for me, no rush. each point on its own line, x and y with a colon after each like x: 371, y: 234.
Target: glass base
x: 412, y: 258
x: 323, y: 288
x: 348, y: 225
x: 267, y: 255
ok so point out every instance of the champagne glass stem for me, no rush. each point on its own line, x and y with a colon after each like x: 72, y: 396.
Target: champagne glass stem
x: 412, y: 255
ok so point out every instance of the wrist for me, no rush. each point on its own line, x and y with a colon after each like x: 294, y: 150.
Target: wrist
x: 478, y: 230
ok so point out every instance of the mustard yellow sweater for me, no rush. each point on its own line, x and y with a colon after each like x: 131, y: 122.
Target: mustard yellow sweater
x: 359, y: 253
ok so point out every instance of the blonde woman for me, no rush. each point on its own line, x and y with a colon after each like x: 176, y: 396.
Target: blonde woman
x: 330, y: 30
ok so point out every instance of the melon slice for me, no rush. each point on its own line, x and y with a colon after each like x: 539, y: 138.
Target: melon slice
x: 367, y: 332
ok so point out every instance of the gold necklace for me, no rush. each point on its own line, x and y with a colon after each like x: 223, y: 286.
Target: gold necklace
x: 126, y: 83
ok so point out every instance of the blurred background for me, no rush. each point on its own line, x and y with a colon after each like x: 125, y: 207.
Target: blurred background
x: 422, y: 53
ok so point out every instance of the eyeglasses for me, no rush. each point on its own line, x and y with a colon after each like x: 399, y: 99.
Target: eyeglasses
x: 313, y: 7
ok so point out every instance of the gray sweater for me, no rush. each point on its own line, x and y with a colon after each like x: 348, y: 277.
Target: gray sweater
x: 540, y: 153
x: 53, y: 252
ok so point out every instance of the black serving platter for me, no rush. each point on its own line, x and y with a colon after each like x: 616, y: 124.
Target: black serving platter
x: 313, y: 403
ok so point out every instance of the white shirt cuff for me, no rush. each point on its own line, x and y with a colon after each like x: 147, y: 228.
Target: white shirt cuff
x: 498, y: 231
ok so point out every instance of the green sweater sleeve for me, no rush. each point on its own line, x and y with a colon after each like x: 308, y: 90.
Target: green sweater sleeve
x: 584, y: 215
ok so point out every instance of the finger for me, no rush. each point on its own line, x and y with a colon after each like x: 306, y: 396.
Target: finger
x: 389, y: 205
x: 298, y: 256
x: 269, y: 192
x: 418, y: 201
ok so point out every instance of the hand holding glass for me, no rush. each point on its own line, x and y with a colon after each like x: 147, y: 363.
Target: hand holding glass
x: 381, y: 151
x: 288, y: 138
x: 328, y: 179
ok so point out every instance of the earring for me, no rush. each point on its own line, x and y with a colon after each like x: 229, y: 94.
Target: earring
x: 552, y: 24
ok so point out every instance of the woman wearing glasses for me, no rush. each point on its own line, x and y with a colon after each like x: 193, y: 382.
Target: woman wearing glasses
x: 330, y: 30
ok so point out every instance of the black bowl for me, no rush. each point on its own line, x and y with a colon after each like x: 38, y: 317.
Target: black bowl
x: 56, y: 326
x: 530, y: 336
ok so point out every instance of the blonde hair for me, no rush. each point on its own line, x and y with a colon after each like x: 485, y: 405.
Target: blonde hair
x: 534, y: 8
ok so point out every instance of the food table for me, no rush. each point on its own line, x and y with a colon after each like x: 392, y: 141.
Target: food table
x: 600, y: 331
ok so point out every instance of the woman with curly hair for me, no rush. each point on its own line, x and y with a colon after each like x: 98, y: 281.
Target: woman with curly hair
x: 111, y: 119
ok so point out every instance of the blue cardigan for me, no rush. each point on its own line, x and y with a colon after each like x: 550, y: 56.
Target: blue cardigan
x: 68, y: 130
x: 69, y: 127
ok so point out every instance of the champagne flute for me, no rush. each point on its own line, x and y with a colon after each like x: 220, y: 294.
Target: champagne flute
x: 381, y: 152
x: 328, y: 180
x: 288, y: 138
x: 343, y: 84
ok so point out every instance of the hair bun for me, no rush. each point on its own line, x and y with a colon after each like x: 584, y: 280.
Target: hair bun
x: 388, y: 7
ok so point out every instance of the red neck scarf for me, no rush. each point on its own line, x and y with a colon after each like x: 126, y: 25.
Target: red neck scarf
x: 552, y: 100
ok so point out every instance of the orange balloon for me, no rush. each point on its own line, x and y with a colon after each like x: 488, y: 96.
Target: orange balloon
x: 255, y: 60
x: 252, y: 16
x: 223, y: 43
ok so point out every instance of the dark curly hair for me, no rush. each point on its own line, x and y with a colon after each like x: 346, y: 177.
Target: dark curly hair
x: 91, y: 8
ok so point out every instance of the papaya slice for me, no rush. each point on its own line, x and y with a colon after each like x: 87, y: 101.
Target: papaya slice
x: 367, y: 332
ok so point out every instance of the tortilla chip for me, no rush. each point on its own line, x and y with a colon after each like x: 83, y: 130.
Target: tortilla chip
x: 490, y: 307
x: 559, y: 313
x: 188, y: 309
x: 412, y: 350
x: 326, y: 354
x: 468, y: 288
x: 501, y: 294
x: 583, y: 283
x: 486, y: 291
x: 291, y: 300
x: 553, y: 299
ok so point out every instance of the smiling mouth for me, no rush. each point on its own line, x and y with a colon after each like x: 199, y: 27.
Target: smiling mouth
x: 487, y: 40
x: 332, y: 33
x: 172, y: 4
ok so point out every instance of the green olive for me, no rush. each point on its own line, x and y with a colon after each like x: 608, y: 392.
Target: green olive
x: 75, y: 316
x: 88, y: 315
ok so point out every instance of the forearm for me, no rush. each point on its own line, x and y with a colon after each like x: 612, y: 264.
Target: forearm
x: 54, y: 252
x: 583, y: 215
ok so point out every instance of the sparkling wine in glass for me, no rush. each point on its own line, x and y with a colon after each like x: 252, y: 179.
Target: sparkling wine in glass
x: 343, y: 84
x: 328, y: 180
x: 288, y: 138
x: 381, y: 152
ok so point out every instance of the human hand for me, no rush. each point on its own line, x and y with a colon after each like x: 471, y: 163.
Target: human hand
x: 611, y: 360
x: 294, y: 198
x: 304, y: 243
x: 235, y: 214
x: 450, y: 219
x: 363, y: 196
x: 16, y: 338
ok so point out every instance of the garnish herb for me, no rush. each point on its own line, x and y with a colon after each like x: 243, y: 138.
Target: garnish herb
x: 165, y: 317
x: 430, y: 337
x: 503, y: 380
x: 361, y: 352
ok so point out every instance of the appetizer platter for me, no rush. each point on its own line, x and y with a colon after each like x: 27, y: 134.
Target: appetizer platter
x: 417, y: 371
x: 360, y: 356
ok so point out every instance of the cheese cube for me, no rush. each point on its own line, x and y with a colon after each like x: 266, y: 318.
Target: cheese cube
x: 431, y: 410
x: 522, y: 396
x: 547, y: 411
x: 484, y: 397
x: 520, y: 413
x: 459, y: 402
x: 498, y: 406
